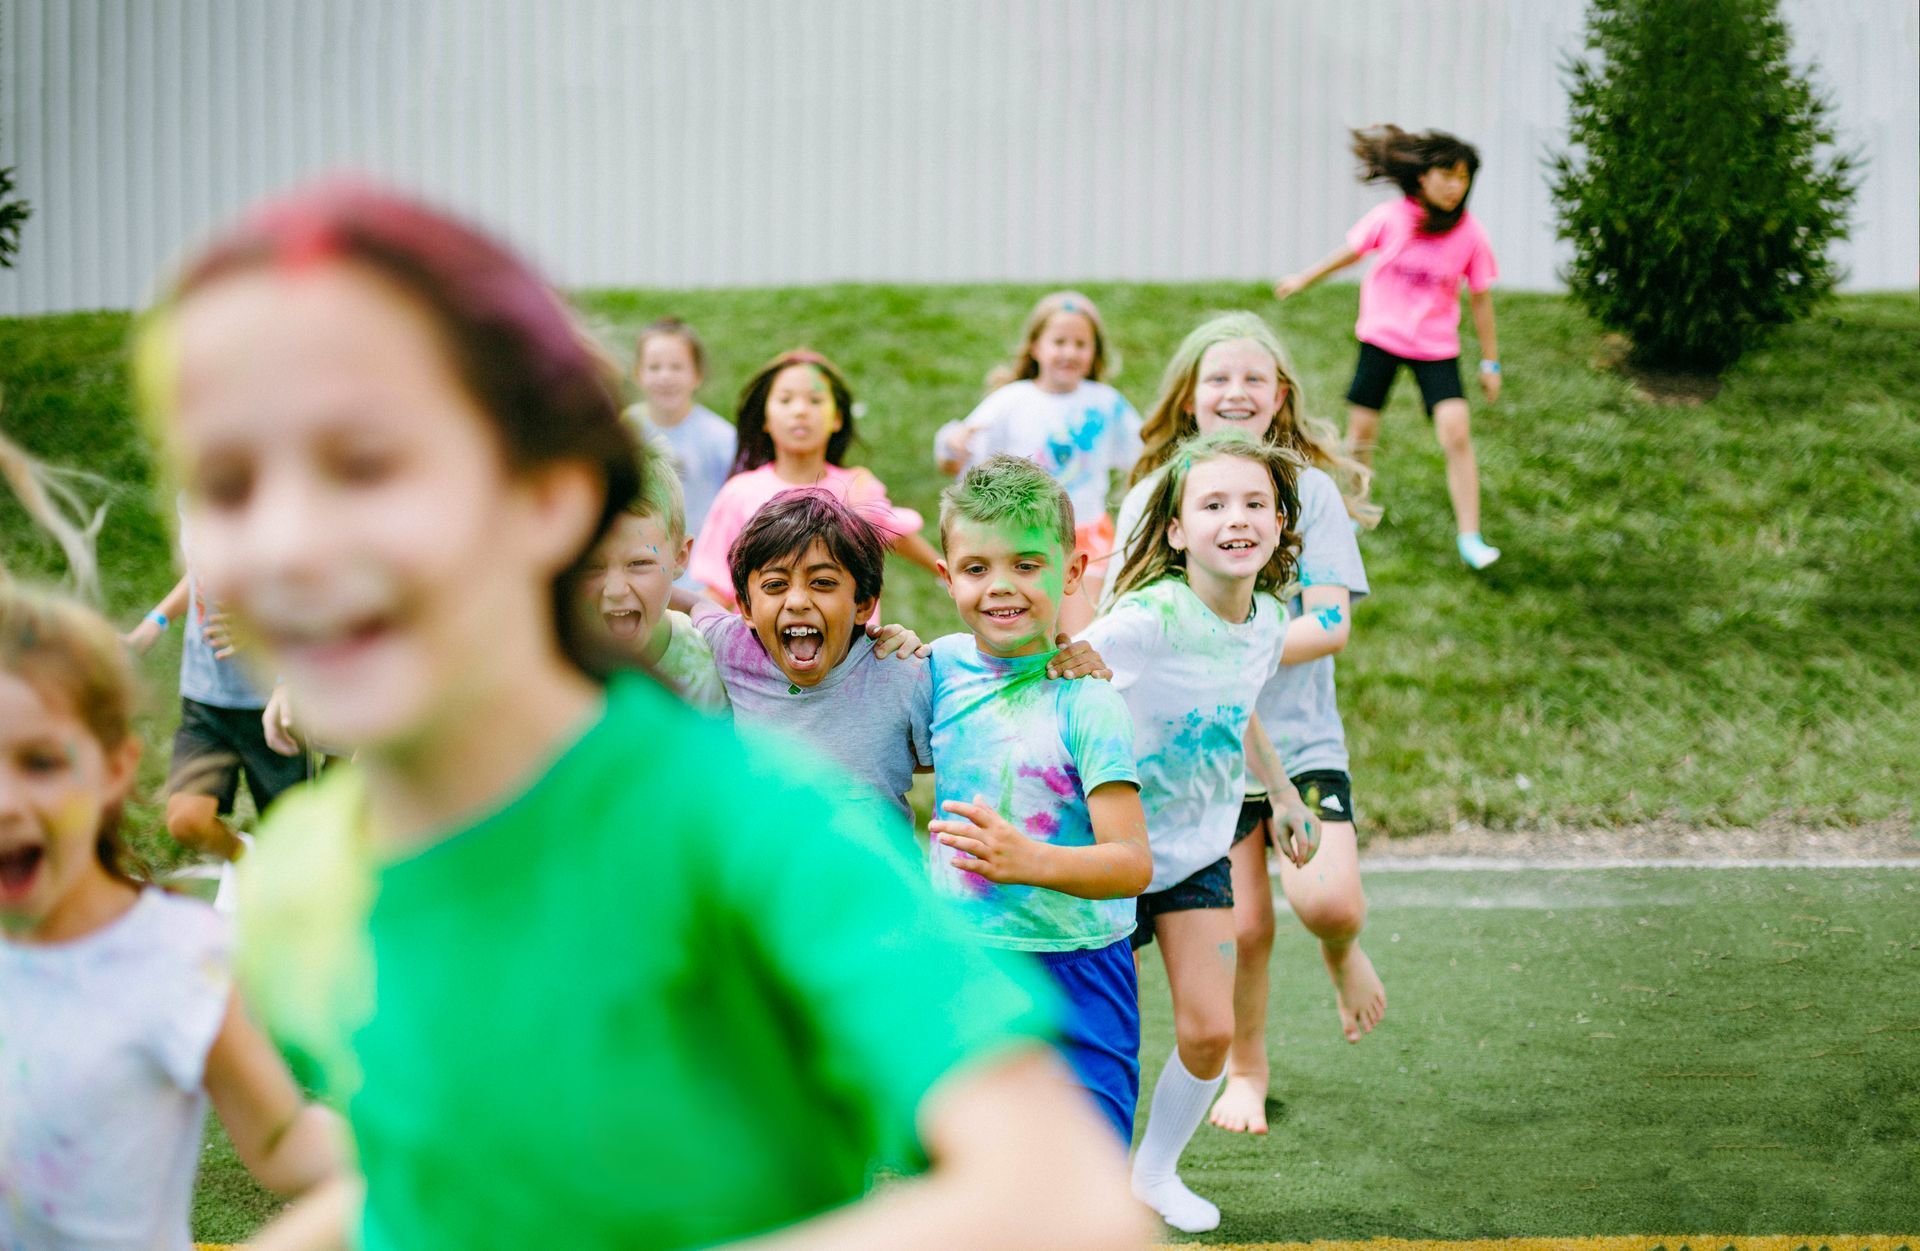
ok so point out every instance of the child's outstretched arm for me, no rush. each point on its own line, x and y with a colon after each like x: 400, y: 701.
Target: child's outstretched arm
x: 1323, y: 626
x: 1020, y: 1159
x: 143, y: 636
x: 1296, y: 827
x: 288, y: 1144
x: 1489, y: 344
x: 917, y: 550
x: 1117, y: 865
x: 1293, y: 284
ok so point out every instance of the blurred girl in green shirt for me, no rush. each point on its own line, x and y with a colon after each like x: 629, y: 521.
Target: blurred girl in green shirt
x: 565, y: 993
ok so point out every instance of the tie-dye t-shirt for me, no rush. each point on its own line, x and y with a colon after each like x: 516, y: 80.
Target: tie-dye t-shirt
x: 1082, y: 438
x: 1033, y: 750
x: 1189, y: 679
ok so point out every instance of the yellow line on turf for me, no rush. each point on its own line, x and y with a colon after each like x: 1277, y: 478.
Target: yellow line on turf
x: 1636, y: 1242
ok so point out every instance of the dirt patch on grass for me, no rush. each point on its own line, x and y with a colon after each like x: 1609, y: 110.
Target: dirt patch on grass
x: 1894, y: 839
x: 1674, y: 387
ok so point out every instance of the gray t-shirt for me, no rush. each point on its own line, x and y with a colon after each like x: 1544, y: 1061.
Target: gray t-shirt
x: 869, y: 714
x: 204, y: 679
x: 1297, y: 706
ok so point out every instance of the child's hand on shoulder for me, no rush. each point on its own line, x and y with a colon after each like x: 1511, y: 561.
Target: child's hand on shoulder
x: 1298, y: 833
x: 989, y: 846
x: 219, y: 633
x: 1077, y: 659
x: 897, y: 641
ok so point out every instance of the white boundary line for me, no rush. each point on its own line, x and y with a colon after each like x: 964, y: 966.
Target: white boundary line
x: 1512, y: 864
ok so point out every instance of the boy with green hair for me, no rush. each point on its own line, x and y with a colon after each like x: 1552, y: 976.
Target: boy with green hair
x: 1039, y: 828
x: 629, y: 576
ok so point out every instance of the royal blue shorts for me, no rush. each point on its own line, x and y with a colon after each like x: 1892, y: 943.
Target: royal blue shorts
x: 1100, y: 1037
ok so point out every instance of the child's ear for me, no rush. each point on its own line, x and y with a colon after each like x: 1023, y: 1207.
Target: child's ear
x: 862, y: 610
x: 1076, y: 570
x: 681, y: 558
x: 943, y: 573
x: 563, y: 500
x: 1176, y: 537
x: 123, y: 766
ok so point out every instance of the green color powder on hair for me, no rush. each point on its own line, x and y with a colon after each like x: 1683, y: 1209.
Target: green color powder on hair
x: 1009, y: 491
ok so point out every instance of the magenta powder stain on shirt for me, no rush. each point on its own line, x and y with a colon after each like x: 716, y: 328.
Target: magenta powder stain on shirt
x: 1062, y: 781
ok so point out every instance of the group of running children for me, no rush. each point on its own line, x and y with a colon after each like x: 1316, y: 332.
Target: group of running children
x: 571, y: 950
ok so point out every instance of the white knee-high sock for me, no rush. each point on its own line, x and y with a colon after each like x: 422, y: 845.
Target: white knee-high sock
x: 1179, y: 1101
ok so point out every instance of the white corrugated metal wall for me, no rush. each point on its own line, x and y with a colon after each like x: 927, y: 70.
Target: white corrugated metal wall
x: 672, y: 143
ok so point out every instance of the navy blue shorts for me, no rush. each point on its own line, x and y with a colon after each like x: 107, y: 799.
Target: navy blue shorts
x: 1100, y: 1037
x: 1211, y: 887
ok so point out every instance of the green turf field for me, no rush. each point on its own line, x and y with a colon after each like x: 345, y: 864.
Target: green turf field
x: 1638, y: 1051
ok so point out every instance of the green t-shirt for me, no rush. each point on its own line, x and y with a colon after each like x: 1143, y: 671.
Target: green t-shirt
x: 667, y: 996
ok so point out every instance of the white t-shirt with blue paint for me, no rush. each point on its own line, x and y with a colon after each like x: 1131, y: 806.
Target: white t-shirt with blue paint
x: 1189, y: 678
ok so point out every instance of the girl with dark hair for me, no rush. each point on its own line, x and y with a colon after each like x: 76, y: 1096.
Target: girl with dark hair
x: 117, y: 1012
x: 795, y: 422
x: 601, y: 996
x: 1410, y: 303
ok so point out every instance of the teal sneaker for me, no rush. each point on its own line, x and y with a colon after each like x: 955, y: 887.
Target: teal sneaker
x: 1475, y: 551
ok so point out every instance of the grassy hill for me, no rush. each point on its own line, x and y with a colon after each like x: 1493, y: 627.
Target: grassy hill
x: 1704, y: 613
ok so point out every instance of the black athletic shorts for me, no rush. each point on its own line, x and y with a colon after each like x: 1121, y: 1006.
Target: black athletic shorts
x: 1328, y: 792
x: 214, y: 747
x: 1211, y: 887
x: 1373, y: 378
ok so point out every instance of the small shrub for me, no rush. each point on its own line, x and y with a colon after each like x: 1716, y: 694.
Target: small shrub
x: 13, y: 215
x: 1694, y: 192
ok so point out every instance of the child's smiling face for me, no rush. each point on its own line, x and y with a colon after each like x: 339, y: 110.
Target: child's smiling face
x: 801, y: 416
x: 1008, y: 583
x: 1237, y: 386
x: 628, y: 578
x: 1228, y: 525
x: 803, y: 609
x: 666, y: 372
x: 56, y: 780
x: 1063, y: 351
x: 351, y: 504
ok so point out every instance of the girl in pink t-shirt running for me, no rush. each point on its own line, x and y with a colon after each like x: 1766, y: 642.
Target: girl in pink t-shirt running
x: 795, y: 421
x: 1410, y: 302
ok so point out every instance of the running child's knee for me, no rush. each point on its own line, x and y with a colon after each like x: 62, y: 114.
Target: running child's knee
x: 193, y: 819
x: 1335, y: 917
x: 1253, y: 932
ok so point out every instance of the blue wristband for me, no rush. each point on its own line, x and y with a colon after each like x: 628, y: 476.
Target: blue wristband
x: 159, y: 618
x: 1489, y: 367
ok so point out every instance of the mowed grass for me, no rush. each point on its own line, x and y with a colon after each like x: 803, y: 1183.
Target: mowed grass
x: 1654, y: 1051
x: 1709, y: 614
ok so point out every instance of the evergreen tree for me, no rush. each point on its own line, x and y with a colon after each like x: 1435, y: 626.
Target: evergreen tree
x: 1699, y: 203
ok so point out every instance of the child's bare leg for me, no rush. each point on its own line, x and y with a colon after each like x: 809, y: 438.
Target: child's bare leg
x: 1242, y: 1106
x: 1450, y: 426
x: 194, y: 821
x: 1363, y: 430
x: 1327, y: 897
x: 1198, y: 948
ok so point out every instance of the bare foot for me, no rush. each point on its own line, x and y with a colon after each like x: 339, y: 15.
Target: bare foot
x: 1242, y: 1106
x: 1361, y: 995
